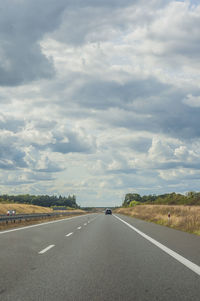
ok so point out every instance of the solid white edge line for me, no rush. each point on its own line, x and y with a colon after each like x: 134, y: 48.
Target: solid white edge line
x: 189, y: 264
x: 42, y: 224
x: 69, y: 234
x: 46, y: 249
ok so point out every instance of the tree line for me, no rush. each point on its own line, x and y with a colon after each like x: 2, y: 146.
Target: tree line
x: 41, y: 200
x: 190, y: 198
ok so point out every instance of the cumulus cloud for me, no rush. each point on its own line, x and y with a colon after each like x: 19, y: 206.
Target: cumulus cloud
x: 11, y: 155
x: 27, y: 149
x: 99, y: 98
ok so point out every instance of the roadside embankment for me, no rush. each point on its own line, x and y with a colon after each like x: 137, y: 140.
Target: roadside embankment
x: 23, y: 208
x: 185, y: 218
x: 32, y: 209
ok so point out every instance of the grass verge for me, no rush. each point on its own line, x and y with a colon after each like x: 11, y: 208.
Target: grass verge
x: 23, y: 208
x: 29, y: 209
x: 185, y: 218
x: 18, y: 224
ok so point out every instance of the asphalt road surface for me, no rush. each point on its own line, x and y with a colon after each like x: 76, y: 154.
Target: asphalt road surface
x: 99, y: 257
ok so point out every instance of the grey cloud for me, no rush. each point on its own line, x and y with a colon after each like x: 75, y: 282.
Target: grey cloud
x: 11, y: 156
x: 21, y: 178
x: 74, y: 144
x: 70, y: 142
x: 101, y: 94
x: 99, y: 99
x: 42, y: 176
x: 17, y: 149
x: 16, y: 182
x: 24, y: 65
x: 176, y: 31
x: 126, y: 140
x: 7, y: 122
x: 40, y: 163
x: 176, y: 164
x: 100, y: 3
x: 87, y: 24
x: 140, y: 145
x: 162, y: 112
x: 139, y: 104
x: 96, y: 21
x: 180, y: 124
x: 13, y: 159
x: 50, y: 169
x: 22, y: 26
x: 6, y: 164
x: 122, y: 171
x: 134, y: 181
x: 44, y: 124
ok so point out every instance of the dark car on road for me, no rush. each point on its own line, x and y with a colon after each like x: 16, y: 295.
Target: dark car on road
x: 108, y: 211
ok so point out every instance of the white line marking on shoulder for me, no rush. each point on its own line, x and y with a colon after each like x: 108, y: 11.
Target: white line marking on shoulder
x: 189, y: 264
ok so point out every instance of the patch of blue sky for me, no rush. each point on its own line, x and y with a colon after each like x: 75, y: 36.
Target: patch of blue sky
x: 191, y: 2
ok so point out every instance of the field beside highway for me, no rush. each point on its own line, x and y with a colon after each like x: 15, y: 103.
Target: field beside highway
x: 28, y: 209
x: 32, y: 209
x: 185, y: 218
x: 23, y: 208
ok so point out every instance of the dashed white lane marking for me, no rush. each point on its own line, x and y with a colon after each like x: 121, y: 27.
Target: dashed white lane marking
x: 79, y: 228
x: 42, y: 224
x: 46, y: 249
x: 189, y: 264
x: 69, y: 234
x: 93, y: 219
x: 85, y: 224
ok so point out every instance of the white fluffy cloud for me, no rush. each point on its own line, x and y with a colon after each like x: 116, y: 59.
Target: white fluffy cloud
x: 99, y: 98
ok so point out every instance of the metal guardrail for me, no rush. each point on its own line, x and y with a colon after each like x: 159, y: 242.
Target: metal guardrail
x: 26, y: 217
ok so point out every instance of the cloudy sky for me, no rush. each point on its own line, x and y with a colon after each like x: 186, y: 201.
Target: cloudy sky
x: 99, y: 98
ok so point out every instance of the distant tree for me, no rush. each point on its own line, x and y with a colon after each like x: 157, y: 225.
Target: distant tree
x: 191, y: 198
x: 129, y: 197
x: 41, y: 200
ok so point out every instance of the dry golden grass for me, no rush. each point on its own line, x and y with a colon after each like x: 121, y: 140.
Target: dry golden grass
x: 18, y: 224
x: 23, y: 208
x: 185, y: 218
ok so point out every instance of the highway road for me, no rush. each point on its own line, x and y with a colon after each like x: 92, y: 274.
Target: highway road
x: 99, y: 257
